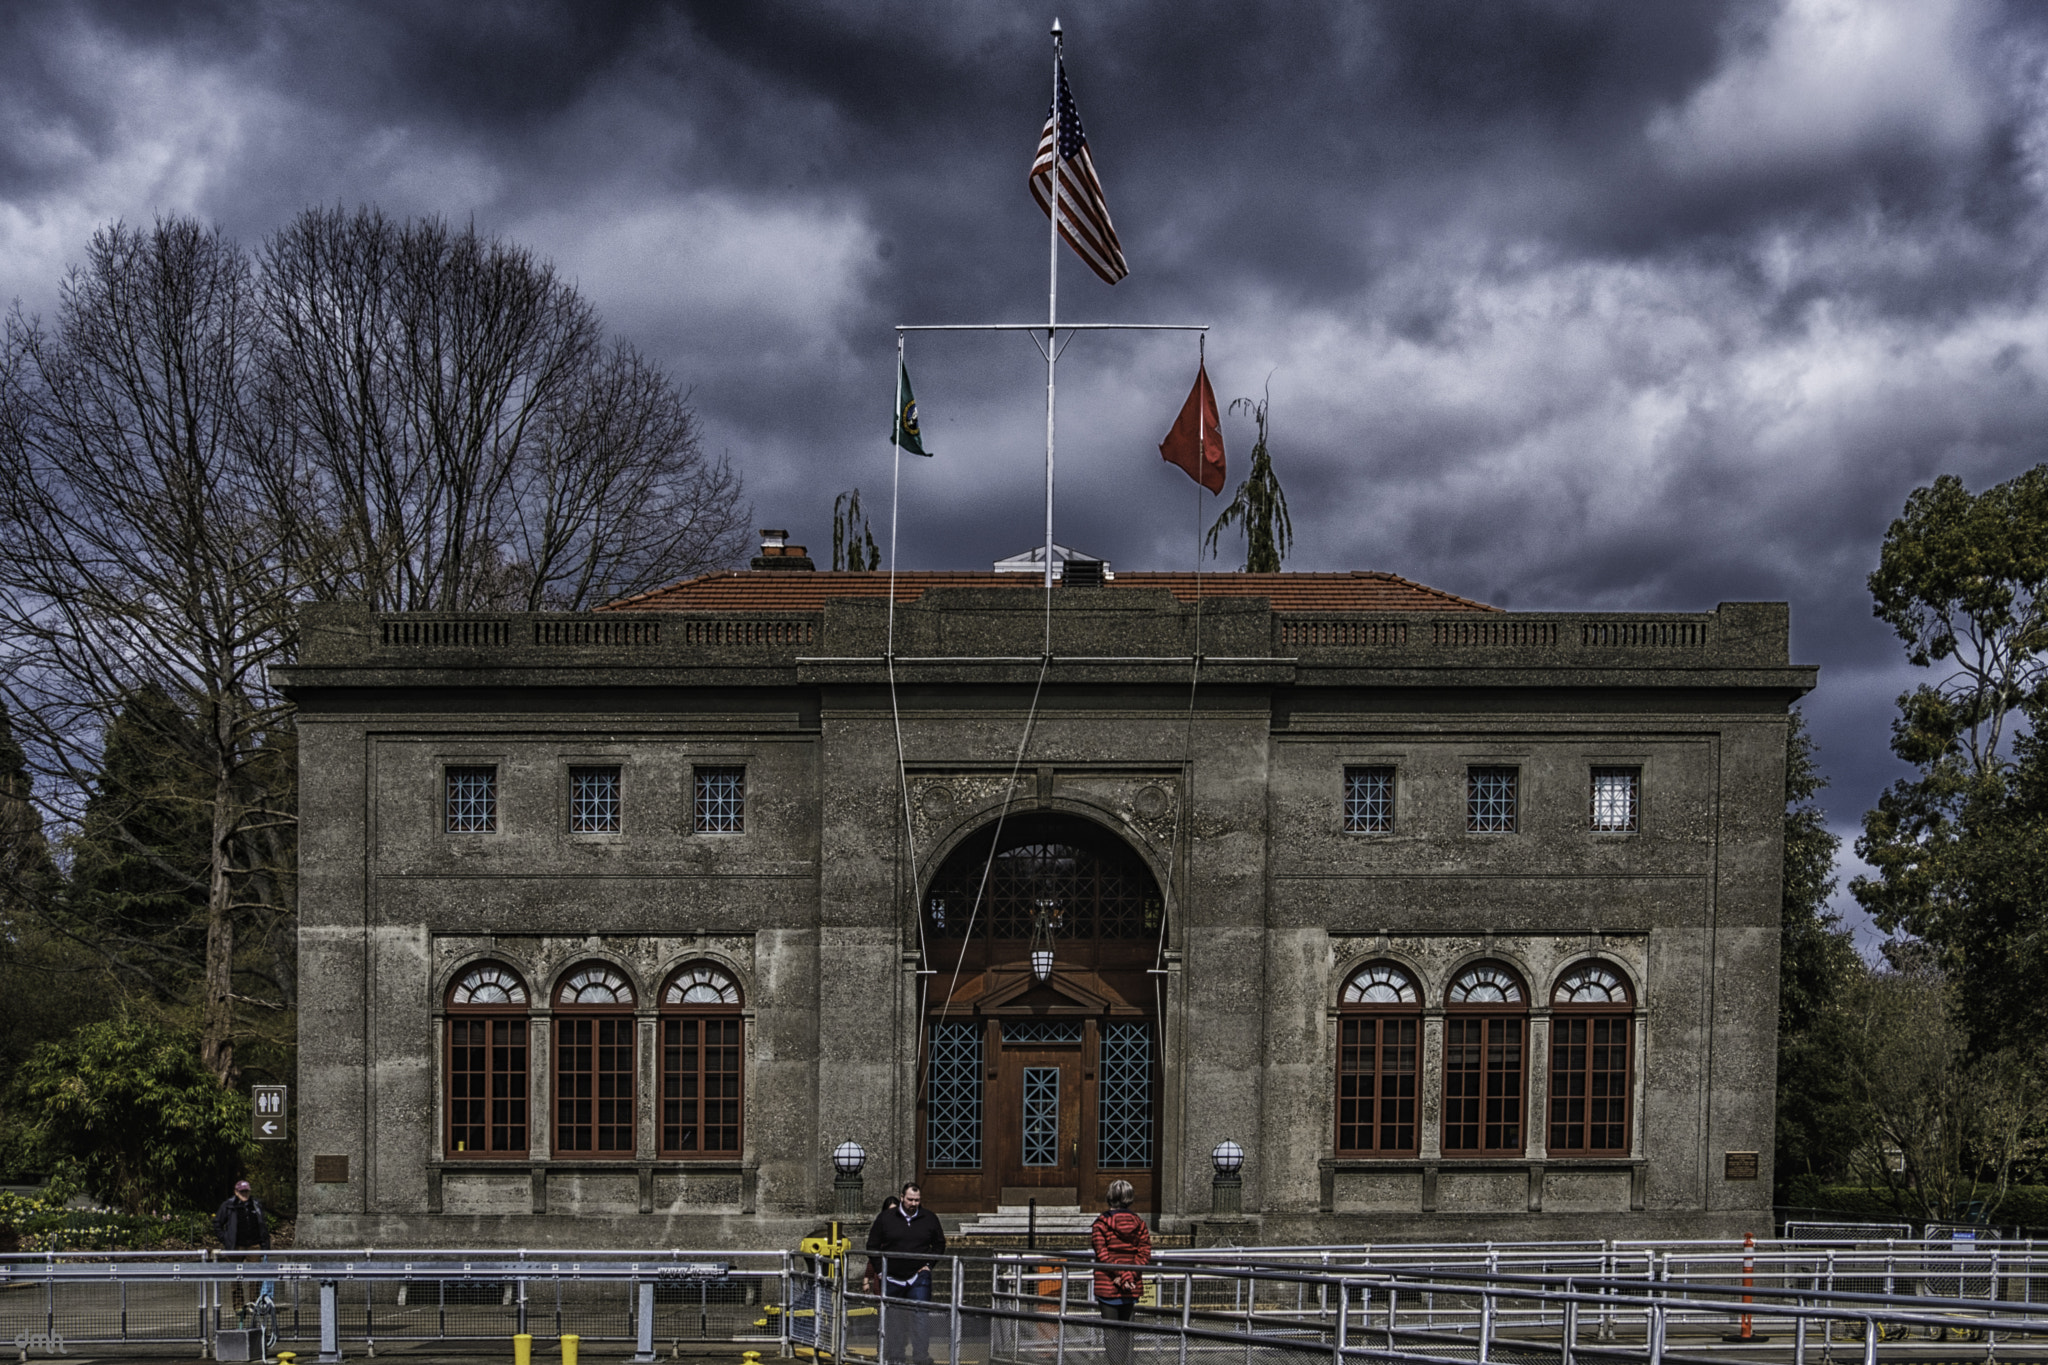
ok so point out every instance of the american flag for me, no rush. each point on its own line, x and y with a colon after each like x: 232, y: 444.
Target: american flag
x: 1084, y: 215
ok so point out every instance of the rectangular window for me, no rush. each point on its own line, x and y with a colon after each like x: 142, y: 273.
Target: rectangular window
x: 1376, y: 1070
x: 1614, y: 798
x: 472, y: 801
x: 594, y: 1086
x: 1589, y: 1084
x: 1490, y: 800
x: 1368, y: 800
x: 487, y: 1085
x: 721, y: 801
x: 700, y: 1086
x: 1483, y: 1086
x: 594, y: 800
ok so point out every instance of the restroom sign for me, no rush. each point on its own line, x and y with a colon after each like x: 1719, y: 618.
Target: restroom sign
x: 267, y: 1121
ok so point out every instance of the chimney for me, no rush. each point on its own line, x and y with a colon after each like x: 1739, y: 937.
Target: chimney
x: 777, y: 553
x: 1084, y: 573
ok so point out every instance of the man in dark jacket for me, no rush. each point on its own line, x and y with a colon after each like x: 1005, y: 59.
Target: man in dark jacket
x: 906, y: 1239
x: 242, y: 1226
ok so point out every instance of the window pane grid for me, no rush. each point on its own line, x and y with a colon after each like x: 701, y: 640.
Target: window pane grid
x: 487, y: 1085
x: 1483, y: 1085
x: 1041, y: 1134
x: 593, y: 800
x: 1125, y: 1097
x: 1614, y: 798
x: 1490, y: 800
x: 1368, y: 800
x: 1589, y: 1084
x: 700, y: 1086
x: 721, y: 800
x: 1376, y: 1078
x: 594, y: 1085
x: 472, y: 802
x: 953, y: 1118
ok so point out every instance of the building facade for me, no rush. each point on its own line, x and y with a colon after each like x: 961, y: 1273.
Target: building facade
x: 1460, y: 922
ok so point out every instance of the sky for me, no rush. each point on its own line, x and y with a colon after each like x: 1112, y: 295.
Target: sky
x: 1557, y: 304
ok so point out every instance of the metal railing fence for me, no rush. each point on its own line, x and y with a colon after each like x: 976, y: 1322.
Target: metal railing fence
x: 361, y: 1298
x: 1517, y: 1304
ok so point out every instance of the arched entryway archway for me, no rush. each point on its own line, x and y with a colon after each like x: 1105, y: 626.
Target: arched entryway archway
x: 1037, y: 1085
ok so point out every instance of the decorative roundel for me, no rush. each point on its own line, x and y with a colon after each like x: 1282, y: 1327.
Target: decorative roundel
x: 1591, y: 983
x: 700, y: 983
x: 487, y: 983
x: 595, y: 984
x: 1380, y: 983
x: 1486, y: 985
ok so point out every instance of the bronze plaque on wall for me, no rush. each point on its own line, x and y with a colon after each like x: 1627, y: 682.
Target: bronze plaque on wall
x: 330, y: 1170
x: 1741, y: 1166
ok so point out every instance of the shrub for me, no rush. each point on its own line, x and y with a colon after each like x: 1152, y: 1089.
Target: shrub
x: 128, y: 1106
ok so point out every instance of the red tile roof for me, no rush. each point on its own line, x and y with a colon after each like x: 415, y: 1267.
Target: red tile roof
x: 796, y: 590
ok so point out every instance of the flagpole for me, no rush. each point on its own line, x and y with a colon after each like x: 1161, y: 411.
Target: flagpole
x: 1052, y: 317
x: 895, y: 487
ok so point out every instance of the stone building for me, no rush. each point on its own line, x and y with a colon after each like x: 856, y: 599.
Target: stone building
x: 1461, y: 922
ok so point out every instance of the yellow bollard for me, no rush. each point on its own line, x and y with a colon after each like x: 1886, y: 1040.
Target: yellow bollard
x: 522, y: 1349
x: 286, y: 1357
x: 570, y: 1341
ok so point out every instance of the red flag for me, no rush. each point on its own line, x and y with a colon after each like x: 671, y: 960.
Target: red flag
x: 1196, y: 441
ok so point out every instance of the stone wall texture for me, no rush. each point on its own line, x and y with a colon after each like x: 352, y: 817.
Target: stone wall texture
x: 1226, y: 780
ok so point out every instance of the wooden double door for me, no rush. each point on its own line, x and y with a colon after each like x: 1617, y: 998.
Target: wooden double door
x: 1068, y: 1106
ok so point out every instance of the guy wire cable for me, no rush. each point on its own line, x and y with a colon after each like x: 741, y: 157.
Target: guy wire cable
x: 1184, y: 812
x: 995, y: 841
x: 922, y: 998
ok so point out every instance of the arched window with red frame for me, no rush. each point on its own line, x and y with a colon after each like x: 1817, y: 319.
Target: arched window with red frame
x: 1486, y: 1031
x: 701, y: 1062
x: 488, y: 1076
x: 1379, y: 1048
x: 594, y: 1089
x: 1591, y: 1061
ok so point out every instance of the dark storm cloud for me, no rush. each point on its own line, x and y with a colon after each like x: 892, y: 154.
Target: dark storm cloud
x: 1562, y: 303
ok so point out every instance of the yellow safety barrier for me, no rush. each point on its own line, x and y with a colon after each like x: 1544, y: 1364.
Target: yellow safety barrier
x: 522, y: 1349
x: 570, y: 1341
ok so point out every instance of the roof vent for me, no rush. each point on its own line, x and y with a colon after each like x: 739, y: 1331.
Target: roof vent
x: 1085, y: 573
x: 778, y: 553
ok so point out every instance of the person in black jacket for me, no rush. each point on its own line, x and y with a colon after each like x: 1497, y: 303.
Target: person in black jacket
x: 902, y: 1244
x: 242, y: 1226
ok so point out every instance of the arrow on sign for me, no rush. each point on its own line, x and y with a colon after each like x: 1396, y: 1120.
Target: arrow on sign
x: 269, y: 1127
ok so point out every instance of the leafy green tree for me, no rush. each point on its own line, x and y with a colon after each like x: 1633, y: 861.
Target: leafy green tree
x: 1259, y: 508
x: 1960, y: 851
x: 1818, y: 1125
x: 853, y: 544
x: 131, y: 1108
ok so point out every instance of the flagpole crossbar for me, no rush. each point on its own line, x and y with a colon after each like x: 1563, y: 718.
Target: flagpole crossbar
x: 1053, y: 327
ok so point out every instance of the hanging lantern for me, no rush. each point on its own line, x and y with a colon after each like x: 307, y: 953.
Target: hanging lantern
x: 1043, y: 922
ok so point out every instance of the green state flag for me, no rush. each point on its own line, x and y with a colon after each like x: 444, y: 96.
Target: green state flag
x: 906, y: 433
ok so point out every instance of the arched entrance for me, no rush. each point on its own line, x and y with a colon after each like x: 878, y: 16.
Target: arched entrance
x: 1040, y: 1085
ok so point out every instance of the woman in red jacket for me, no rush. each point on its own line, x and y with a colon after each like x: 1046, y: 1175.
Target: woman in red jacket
x: 1120, y: 1238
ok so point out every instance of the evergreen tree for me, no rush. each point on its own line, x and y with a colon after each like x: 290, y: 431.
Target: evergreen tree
x: 50, y: 982
x: 139, y: 858
x: 1259, y: 508
x: 1818, y: 1123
